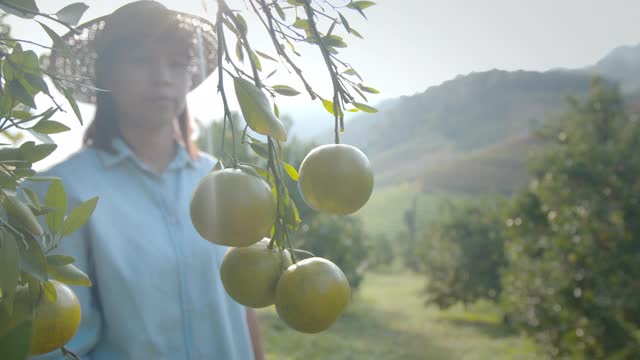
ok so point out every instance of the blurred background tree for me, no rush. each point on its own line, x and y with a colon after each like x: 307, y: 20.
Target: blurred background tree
x: 574, y: 237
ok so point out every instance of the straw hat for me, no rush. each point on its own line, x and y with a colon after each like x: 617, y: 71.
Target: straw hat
x: 137, y: 20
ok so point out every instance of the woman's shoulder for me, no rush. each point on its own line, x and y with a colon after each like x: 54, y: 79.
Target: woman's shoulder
x: 82, y: 161
x: 205, y: 161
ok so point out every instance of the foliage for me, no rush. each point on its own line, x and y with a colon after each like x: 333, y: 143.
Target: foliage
x: 26, y: 247
x: 462, y: 253
x: 574, y: 236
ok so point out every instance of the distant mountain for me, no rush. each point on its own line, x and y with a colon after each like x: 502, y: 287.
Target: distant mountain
x: 447, y: 135
x: 460, y: 116
x: 622, y: 64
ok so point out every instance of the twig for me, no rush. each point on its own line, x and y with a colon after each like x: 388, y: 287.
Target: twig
x: 281, y: 51
x: 330, y: 66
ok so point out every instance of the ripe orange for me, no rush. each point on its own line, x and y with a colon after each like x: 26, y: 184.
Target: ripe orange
x: 250, y: 274
x: 336, y: 178
x: 312, y: 294
x: 53, y: 323
x: 232, y: 208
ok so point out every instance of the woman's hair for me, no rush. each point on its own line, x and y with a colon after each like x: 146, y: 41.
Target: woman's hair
x: 104, y: 127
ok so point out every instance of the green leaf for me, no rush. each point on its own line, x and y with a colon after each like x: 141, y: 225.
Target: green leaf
x: 37, y: 83
x: 302, y: 24
x: 11, y: 155
x: 230, y: 25
x: 295, y: 2
x: 56, y: 197
x: 59, y: 260
x: 22, y: 214
x: 368, y: 89
x: 239, y: 51
x: 71, y: 14
x: 302, y: 254
x: 17, y: 92
x: 31, y: 197
x: 266, y: 56
x: 248, y: 169
x: 354, y: 32
x: 360, y: 93
x: 365, y: 107
x: 256, y: 60
x: 291, y: 171
x: 260, y: 149
x: 270, y: 74
x: 50, y: 127
x: 361, y: 4
x: 334, y: 41
x: 32, y: 260
x: 69, y: 274
x: 242, y: 24
x: 23, y: 8
x: 68, y: 93
x: 58, y: 43
x: 34, y: 153
x: 16, y: 343
x: 9, y: 267
x: 328, y: 105
x: 285, y: 90
x: 49, y: 291
x: 345, y: 23
x: 292, y: 217
x: 276, y: 111
x: 256, y: 110
x: 79, y: 216
x: 279, y: 11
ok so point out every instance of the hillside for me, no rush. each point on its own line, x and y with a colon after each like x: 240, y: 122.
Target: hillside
x: 463, y: 115
x: 472, y: 126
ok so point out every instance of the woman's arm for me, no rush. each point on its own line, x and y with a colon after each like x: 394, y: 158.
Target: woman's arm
x: 252, y: 321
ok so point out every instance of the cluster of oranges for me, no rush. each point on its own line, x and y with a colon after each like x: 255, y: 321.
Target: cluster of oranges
x: 237, y: 209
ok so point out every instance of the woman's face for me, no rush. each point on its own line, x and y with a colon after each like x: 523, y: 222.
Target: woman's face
x: 149, y: 83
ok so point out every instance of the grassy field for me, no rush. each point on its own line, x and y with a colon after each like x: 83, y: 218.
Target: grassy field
x: 384, y: 212
x: 387, y: 320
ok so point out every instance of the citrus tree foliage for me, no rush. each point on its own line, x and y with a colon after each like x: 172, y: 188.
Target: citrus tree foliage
x: 574, y: 240
x: 288, y: 23
x: 31, y: 228
x: 462, y: 253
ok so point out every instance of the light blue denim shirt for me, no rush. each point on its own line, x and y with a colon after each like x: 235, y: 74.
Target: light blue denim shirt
x: 156, y: 292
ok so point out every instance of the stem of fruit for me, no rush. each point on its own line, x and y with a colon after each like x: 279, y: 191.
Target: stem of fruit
x: 222, y: 6
x: 337, y: 111
x: 227, y: 111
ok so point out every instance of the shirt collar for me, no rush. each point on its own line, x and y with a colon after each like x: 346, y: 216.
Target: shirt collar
x: 122, y: 152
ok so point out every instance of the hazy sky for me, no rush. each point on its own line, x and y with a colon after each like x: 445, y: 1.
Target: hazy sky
x: 413, y: 44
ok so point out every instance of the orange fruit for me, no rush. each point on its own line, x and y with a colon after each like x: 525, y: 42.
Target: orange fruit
x: 250, y: 274
x: 232, y: 208
x: 336, y: 178
x: 312, y: 294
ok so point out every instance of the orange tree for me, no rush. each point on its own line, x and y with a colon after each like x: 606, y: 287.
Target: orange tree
x: 573, y: 241
x: 33, y: 281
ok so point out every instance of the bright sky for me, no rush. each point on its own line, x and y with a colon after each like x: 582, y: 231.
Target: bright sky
x: 413, y: 44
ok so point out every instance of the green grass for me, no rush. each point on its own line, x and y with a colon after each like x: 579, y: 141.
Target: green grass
x: 387, y: 320
x: 384, y: 212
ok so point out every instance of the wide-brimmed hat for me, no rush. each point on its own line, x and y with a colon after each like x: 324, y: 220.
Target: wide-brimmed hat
x: 75, y: 61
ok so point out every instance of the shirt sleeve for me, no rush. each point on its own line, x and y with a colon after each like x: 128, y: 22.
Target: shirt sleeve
x: 78, y: 245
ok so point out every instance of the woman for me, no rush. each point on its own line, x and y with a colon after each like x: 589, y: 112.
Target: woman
x: 156, y: 290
